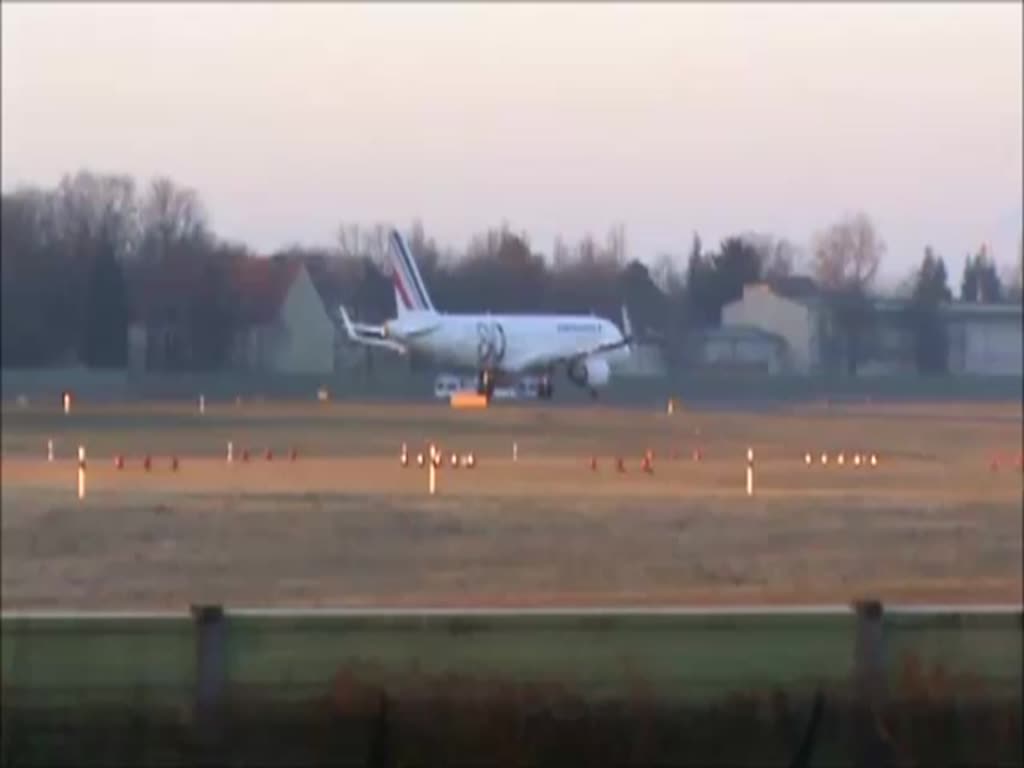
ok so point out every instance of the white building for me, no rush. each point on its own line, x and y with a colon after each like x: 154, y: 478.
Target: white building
x: 984, y: 339
x: 284, y: 325
x: 743, y: 348
x: 646, y: 360
x: 795, y: 320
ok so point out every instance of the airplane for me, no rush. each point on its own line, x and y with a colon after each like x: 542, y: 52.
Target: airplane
x: 498, y: 347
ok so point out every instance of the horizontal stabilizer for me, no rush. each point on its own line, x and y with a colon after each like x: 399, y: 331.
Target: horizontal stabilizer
x: 369, y: 335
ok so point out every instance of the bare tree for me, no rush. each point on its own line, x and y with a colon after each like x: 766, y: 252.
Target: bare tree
x: 847, y: 255
x: 96, y: 224
x: 432, y: 263
x: 561, y: 254
x: 617, y: 244
x: 357, y: 243
x: 667, y: 275
x: 783, y: 260
x: 375, y: 246
x: 846, y: 259
x: 37, y: 287
x: 348, y: 240
x: 170, y: 217
x: 89, y: 206
x: 779, y: 257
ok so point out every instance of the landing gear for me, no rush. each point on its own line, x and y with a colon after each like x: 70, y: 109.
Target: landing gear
x: 545, y: 389
x: 485, y: 384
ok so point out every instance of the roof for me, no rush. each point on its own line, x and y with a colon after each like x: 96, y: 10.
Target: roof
x: 959, y: 310
x: 1001, y: 311
x: 262, y: 286
x: 804, y: 290
x: 798, y: 288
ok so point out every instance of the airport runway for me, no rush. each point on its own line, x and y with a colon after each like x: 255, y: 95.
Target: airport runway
x: 936, y: 522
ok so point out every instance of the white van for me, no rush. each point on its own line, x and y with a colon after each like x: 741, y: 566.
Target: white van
x: 446, y: 384
x: 529, y: 387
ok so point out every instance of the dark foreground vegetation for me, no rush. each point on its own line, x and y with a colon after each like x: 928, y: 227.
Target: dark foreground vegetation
x: 935, y: 720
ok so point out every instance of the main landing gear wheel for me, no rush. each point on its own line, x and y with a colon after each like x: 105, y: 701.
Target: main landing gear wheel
x: 545, y: 389
x: 485, y: 384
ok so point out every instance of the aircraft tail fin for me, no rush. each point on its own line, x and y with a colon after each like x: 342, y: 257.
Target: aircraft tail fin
x: 410, y: 290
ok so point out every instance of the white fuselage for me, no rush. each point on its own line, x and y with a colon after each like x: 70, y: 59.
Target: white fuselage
x: 493, y: 346
x: 512, y: 344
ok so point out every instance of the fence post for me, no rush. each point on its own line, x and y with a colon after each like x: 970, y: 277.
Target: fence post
x: 211, y: 663
x: 869, y: 670
x: 380, y: 738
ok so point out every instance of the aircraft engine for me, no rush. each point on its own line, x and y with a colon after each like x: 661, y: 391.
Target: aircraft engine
x: 591, y: 372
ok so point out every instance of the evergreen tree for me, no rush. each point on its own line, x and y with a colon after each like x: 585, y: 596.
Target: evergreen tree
x: 980, y: 281
x: 700, y: 287
x: 931, y: 290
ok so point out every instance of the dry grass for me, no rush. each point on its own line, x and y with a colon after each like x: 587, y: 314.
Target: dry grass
x: 345, y: 524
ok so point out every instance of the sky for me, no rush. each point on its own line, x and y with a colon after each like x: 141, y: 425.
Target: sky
x: 668, y: 119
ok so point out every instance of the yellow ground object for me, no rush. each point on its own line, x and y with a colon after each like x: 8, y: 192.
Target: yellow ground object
x: 468, y: 400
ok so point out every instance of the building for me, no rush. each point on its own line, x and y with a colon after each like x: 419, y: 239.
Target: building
x: 281, y: 324
x: 284, y: 326
x: 984, y: 339
x: 742, y: 348
x: 646, y: 360
x: 787, y: 312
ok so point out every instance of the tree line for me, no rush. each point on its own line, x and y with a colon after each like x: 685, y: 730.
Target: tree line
x: 84, y: 260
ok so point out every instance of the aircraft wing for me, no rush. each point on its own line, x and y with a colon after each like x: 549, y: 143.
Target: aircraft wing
x: 596, y: 350
x: 625, y: 341
x: 538, y: 363
x: 369, y: 335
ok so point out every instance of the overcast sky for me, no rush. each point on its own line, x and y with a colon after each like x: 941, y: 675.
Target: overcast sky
x: 668, y: 118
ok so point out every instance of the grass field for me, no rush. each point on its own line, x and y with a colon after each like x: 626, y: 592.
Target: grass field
x: 345, y: 524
